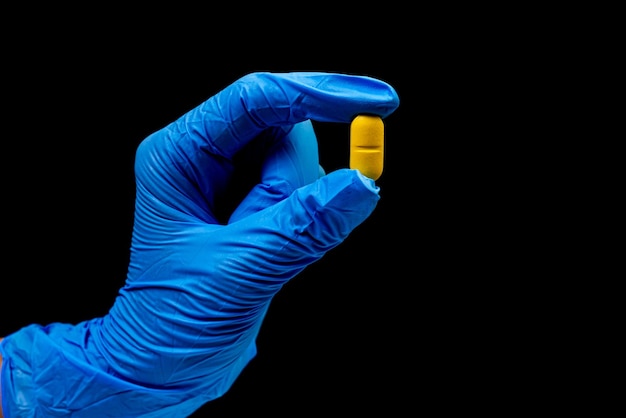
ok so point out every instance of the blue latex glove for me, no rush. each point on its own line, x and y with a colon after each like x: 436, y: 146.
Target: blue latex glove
x: 205, y: 261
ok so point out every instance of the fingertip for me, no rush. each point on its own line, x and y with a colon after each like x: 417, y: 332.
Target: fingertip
x: 367, y: 182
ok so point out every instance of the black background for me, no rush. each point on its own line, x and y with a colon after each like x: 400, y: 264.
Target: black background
x: 415, y: 311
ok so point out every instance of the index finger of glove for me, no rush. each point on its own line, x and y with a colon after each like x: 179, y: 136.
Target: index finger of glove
x: 230, y: 119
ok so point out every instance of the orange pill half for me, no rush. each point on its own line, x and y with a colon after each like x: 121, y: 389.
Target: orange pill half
x: 367, y: 145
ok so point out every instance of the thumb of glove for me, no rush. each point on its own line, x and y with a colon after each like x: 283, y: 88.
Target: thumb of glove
x: 285, y: 238
x: 324, y: 213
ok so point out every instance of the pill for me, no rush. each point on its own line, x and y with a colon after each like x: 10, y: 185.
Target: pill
x: 367, y: 143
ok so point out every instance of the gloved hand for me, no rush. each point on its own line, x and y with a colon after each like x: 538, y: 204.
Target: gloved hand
x: 230, y: 205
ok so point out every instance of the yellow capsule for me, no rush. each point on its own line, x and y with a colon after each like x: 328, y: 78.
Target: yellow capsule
x: 367, y: 143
